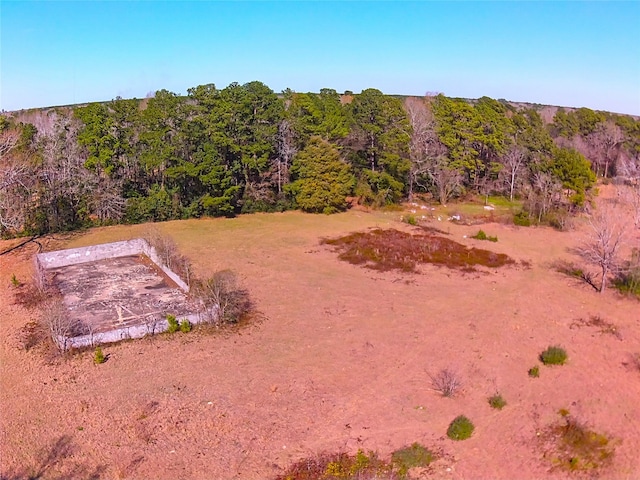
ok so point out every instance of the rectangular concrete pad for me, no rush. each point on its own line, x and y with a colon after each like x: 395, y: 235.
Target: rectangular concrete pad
x: 117, y: 292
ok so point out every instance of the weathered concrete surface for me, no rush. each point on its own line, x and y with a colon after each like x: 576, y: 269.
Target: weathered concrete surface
x: 74, y: 256
x: 115, y: 291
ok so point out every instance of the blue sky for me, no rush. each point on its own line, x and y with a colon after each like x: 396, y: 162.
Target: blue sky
x: 561, y: 53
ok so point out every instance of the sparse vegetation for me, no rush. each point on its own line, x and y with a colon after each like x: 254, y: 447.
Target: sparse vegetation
x: 604, y: 327
x: 447, y: 382
x: 481, y: 235
x: 98, y: 356
x: 574, y: 447
x: 554, y: 355
x: 341, y: 466
x: 496, y: 401
x: 534, y: 372
x: 185, y: 326
x: 14, y: 281
x: 460, y: 428
x: 627, y: 279
x: 394, y: 250
x: 361, y: 466
x: 410, y: 457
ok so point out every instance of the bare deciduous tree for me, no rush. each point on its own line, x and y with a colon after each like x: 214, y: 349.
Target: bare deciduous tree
x: 545, y: 191
x: 222, y: 299
x: 60, y: 326
x: 602, y: 245
x: 514, y: 161
x: 426, y: 152
x: 286, y: 152
x: 603, y: 144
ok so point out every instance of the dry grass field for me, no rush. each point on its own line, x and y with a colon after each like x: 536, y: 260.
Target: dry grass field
x: 341, y: 359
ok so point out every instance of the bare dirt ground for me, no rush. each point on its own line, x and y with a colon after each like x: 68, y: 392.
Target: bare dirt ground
x: 341, y: 361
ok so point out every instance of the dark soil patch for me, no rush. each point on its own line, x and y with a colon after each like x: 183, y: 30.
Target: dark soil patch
x: 392, y: 249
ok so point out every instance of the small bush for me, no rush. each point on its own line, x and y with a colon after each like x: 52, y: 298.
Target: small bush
x: 481, y: 235
x: 446, y: 382
x: 496, y: 401
x: 98, y: 356
x: 534, y: 372
x: 411, y: 220
x: 460, y: 428
x: 554, y: 355
x: 173, y: 324
x: 14, y: 281
x: 185, y: 326
x: 409, y: 457
x: 522, y: 219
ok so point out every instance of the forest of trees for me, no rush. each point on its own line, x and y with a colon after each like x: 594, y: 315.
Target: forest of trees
x: 244, y: 148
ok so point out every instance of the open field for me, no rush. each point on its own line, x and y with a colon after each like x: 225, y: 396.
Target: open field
x: 341, y: 360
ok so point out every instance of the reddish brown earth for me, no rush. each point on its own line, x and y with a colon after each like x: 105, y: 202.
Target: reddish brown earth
x: 341, y: 361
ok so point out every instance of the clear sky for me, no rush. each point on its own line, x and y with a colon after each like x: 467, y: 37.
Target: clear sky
x: 561, y: 53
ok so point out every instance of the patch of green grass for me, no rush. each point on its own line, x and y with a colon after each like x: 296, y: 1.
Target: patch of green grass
x: 504, y: 202
x: 14, y: 281
x: 460, y: 428
x: 534, y: 372
x: 554, y: 355
x: 409, y: 457
x: 496, y: 401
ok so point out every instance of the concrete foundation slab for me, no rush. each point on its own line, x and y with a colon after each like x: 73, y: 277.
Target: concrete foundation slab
x: 115, y: 291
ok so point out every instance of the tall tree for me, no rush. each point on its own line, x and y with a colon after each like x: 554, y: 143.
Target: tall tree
x: 380, y: 144
x: 322, y: 179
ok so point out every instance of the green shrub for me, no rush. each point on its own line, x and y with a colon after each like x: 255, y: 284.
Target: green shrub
x: 173, y: 324
x: 14, y: 281
x: 522, y: 219
x: 409, y: 457
x: 554, y: 355
x: 460, y: 428
x: 411, y: 220
x: 534, y: 371
x: 185, y: 326
x: 98, y: 356
x: 496, y: 401
x: 481, y: 235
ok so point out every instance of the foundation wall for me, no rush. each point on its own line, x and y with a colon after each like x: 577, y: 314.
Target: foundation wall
x: 151, y: 326
x: 74, y: 256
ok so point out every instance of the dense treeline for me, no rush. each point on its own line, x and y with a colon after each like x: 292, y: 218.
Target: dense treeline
x: 244, y: 149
